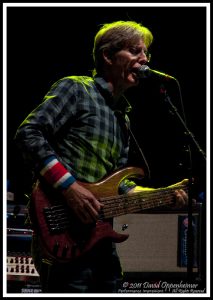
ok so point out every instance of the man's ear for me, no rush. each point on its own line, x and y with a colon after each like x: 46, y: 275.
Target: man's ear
x: 107, y: 56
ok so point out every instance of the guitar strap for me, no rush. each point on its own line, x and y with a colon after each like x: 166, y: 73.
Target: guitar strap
x: 124, y: 119
x: 140, y: 152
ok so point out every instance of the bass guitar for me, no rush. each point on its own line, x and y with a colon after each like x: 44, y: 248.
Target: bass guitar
x: 64, y: 238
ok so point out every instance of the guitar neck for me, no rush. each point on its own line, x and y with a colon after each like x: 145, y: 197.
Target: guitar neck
x: 124, y: 204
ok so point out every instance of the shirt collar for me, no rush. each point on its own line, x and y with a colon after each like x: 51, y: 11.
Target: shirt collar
x: 106, y: 91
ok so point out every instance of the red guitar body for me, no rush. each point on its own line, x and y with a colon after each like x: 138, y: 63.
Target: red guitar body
x: 64, y: 238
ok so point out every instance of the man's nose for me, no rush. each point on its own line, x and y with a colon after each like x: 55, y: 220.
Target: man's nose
x: 143, y: 57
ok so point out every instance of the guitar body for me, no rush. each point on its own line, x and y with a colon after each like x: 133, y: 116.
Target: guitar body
x: 64, y: 238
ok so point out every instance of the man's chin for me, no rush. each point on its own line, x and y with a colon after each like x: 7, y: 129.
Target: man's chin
x: 133, y: 80
x: 134, y: 77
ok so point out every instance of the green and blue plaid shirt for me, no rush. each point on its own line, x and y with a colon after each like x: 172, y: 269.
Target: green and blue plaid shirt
x: 79, y: 124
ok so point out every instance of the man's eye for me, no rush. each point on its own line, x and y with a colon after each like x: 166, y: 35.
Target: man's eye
x: 134, y: 50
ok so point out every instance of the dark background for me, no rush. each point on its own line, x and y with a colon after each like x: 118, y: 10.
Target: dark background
x: 47, y: 43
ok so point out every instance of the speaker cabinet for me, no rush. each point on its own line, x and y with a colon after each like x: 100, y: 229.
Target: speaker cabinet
x: 154, y: 243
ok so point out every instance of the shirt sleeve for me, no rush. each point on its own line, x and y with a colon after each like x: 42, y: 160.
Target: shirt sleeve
x: 37, y: 134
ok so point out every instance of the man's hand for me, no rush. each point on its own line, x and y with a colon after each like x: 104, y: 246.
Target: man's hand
x: 83, y: 203
x: 181, y: 198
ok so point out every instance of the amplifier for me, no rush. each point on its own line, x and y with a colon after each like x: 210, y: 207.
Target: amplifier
x: 157, y: 241
x: 17, y: 215
x: 22, y: 276
x: 21, y: 267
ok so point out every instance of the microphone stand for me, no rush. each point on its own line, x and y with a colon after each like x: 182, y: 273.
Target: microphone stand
x: 188, y: 133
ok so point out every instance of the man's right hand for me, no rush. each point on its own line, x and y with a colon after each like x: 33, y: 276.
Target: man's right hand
x: 83, y: 203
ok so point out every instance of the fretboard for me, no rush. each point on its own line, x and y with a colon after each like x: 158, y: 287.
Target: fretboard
x: 125, y: 204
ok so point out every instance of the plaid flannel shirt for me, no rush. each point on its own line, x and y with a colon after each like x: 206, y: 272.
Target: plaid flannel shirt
x: 78, y: 124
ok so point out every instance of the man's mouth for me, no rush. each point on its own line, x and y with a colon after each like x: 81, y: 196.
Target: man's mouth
x: 134, y: 73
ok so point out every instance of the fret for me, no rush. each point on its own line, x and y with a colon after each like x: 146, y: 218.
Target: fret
x: 124, y: 204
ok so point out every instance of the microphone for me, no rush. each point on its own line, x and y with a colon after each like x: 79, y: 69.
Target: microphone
x: 144, y: 71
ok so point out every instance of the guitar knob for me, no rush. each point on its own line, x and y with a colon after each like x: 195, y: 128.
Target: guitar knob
x: 125, y: 226
x: 74, y: 250
x: 64, y: 252
x: 55, y: 248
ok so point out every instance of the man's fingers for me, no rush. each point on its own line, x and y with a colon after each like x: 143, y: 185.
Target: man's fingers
x: 93, y: 212
x: 181, y: 198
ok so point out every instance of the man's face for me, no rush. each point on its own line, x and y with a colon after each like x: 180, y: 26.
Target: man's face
x: 126, y: 62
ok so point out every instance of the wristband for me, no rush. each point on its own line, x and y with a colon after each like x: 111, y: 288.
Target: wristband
x: 56, y: 174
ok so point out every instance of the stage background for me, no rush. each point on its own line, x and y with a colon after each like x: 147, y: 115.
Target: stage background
x: 47, y: 43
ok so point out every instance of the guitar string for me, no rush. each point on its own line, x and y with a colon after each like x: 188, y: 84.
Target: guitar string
x: 139, y: 195
x: 114, y: 204
x: 117, y: 205
x: 133, y: 207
